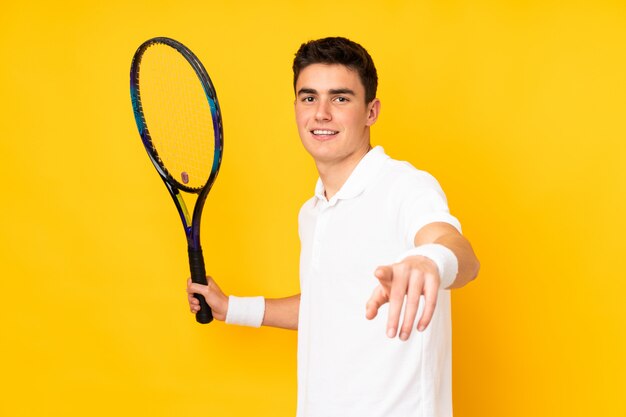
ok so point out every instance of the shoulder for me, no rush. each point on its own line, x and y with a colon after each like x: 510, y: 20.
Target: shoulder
x: 417, y: 199
x: 306, y: 216
x: 308, y: 204
x: 307, y: 208
x: 403, y: 177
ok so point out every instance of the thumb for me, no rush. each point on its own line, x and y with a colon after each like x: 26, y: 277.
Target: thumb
x: 384, y: 274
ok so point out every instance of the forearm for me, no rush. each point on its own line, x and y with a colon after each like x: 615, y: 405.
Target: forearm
x: 282, y: 312
x: 245, y: 311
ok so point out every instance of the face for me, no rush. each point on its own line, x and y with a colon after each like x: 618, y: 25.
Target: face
x: 332, y: 116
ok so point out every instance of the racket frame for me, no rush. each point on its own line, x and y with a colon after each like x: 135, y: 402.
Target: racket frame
x: 191, y: 224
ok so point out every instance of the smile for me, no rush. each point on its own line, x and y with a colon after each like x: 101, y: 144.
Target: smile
x: 324, y: 132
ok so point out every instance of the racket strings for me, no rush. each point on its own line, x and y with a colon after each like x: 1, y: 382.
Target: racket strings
x: 178, y: 115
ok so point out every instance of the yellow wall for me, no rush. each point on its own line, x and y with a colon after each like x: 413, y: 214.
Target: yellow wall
x: 517, y: 107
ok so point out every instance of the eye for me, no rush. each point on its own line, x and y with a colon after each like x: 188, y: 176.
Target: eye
x: 341, y: 99
x: 308, y: 99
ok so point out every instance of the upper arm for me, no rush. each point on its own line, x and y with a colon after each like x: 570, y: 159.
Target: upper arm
x: 433, y: 232
x: 422, y: 208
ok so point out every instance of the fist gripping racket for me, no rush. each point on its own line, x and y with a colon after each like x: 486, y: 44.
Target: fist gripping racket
x: 180, y: 125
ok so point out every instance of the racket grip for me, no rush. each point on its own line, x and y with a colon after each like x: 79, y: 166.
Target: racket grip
x: 198, y: 276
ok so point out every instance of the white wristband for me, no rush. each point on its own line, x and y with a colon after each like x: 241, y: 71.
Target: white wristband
x: 245, y: 311
x: 444, y: 258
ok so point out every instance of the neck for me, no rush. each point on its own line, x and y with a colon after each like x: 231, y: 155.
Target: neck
x: 335, y: 174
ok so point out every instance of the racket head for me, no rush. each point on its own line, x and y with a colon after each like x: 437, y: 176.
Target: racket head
x: 177, y: 114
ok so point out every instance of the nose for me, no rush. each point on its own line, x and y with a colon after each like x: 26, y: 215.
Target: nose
x: 322, y: 113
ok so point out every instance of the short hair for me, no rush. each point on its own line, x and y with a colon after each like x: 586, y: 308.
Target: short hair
x: 338, y: 50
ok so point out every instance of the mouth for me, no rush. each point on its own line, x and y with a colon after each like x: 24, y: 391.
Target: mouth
x: 324, y: 134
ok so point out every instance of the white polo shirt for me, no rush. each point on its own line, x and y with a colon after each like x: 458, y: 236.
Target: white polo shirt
x: 346, y: 364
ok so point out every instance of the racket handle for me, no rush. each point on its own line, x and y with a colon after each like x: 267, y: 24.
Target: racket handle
x: 198, y: 275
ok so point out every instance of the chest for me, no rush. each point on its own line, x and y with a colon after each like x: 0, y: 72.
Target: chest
x: 349, y: 237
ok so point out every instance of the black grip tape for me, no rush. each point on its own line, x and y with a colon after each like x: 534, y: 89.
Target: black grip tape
x: 198, y: 275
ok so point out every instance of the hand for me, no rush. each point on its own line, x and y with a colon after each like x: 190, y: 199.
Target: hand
x: 412, y: 277
x: 213, y: 296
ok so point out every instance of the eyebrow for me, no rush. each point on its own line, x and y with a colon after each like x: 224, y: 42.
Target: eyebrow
x: 331, y: 91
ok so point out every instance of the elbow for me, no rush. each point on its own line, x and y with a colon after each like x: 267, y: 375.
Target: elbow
x: 469, y: 274
x: 475, y: 269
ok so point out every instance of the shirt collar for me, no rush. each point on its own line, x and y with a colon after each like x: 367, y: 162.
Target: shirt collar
x: 359, y: 179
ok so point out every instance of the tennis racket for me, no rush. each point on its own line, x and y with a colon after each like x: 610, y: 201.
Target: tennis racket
x: 180, y: 125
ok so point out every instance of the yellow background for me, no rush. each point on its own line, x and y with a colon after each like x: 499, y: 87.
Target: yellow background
x: 517, y: 107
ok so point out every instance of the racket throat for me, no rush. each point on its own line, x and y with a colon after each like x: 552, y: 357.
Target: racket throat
x: 183, y: 207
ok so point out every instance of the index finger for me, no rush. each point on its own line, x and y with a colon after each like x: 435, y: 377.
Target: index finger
x: 396, y: 298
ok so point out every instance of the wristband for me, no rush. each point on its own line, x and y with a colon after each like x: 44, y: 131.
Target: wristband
x: 444, y: 258
x: 245, y: 311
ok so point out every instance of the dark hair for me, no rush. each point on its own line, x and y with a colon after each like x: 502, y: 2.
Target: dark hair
x: 341, y: 51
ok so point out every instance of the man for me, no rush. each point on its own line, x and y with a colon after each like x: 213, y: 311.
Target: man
x: 371, y: 218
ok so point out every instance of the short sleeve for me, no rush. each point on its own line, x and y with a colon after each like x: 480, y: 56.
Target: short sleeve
x: 419, y: 200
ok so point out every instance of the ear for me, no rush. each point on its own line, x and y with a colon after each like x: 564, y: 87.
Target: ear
x: 373, y: 110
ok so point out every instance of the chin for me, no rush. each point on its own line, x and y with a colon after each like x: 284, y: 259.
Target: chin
x: 324, y: 153
x: 315, y: 145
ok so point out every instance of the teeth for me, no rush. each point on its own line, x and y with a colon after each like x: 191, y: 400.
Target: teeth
x: 324, y: 132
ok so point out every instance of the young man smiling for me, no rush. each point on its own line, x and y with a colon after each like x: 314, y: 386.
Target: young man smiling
x: 377, y: 234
